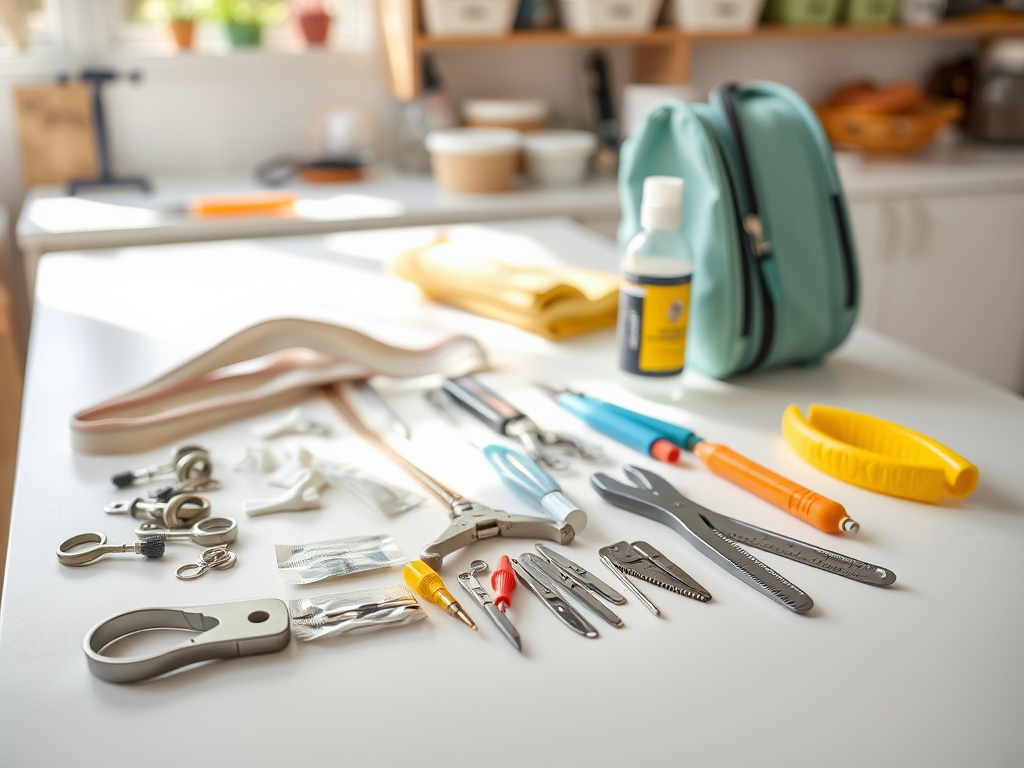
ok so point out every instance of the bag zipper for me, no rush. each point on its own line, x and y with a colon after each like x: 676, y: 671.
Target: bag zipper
x: 751, y: 224
x: 844, y: 241
x: 746, y: 318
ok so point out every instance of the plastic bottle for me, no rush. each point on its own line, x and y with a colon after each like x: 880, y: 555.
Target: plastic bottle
x: 654, y: 300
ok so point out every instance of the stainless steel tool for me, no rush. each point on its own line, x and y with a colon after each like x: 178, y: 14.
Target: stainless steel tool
x: 582, y: 575
x: 520, y: 473
x: 372, y: 398
x: 654, y: 497
x: 569, y: 584
x: 505, y: 419
x: 227, y: 630
x: 211, y: 532
x: 185, y: 486
x: 657, y: 499
x: 470, y: 583
x: 179, y: 511
x: 470, y: 520
x: 188, y: 462
x: 553, y: 601
x: 72, y: 553
x: 630, y: 585
x: 626, y: 558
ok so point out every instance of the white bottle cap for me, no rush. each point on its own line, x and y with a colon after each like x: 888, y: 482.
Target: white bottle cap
x: 662, y: 204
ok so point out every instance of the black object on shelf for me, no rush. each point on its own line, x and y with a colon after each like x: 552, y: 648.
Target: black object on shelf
x: 96, y: 78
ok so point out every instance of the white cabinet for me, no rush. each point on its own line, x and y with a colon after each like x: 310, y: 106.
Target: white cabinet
x: 946, y: 274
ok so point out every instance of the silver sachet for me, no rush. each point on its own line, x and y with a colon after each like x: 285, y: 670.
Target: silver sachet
x: 354, y: 612
x: 319, y: 560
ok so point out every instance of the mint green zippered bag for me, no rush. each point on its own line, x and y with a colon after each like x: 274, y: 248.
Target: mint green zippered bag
x: 775, y: 273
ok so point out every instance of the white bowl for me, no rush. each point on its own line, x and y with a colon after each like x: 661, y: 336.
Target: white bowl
x: 558, y: 158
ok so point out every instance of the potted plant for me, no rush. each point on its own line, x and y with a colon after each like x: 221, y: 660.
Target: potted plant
x: 314, y: 17
x: 180, y: 16
x: 244, y: 20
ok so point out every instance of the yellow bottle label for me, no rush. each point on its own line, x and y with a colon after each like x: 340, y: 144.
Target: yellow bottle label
x: 653, y: 315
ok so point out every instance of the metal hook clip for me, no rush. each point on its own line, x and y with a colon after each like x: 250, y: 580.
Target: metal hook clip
x: 211, y: 532
x: 180, y: 512
x: 218, y: 558
x: 189, y: 462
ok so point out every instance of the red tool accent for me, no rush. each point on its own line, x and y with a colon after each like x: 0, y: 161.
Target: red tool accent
x: 665, y: 451
x: 503, y: 581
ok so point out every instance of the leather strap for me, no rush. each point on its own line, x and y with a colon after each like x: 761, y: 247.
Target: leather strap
x: 265, y: 366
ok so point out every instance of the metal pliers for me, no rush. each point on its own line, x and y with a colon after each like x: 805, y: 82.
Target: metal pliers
x: 718, y: 537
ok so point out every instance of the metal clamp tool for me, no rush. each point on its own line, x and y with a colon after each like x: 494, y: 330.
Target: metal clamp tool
x: 470, y: 520
x: 582, y: 575
x: 718, y: 538
x: 179, y: 511
x: 545, y: 590
x: 228, y: 630
x: 570, y: 585
x: 185, y: 486
x: 505, y: 419
x: 189, y: 462
x: 470, y: 583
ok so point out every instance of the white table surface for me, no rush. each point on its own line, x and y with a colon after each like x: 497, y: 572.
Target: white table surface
x: 926, y: 673
x: 52, y: 221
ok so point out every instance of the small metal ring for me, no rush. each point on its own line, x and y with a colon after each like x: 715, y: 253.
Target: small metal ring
x: 193, y: 465
x: 185, y: 509
x: 84, y: 556
x: 214, y: 531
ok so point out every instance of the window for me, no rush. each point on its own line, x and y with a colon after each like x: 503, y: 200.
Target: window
x: 24, y: 23
x: 142, y: 23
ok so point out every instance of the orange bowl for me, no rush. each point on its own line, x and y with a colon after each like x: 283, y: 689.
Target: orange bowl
x: 891, y: 133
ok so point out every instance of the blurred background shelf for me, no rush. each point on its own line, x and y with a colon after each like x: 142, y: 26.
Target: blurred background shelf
x: 660, y: 56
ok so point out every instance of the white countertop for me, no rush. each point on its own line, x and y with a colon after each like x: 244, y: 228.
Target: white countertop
x: 927, y: 672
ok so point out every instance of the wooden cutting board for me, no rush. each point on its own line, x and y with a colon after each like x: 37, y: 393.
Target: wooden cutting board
x: 55, y: 133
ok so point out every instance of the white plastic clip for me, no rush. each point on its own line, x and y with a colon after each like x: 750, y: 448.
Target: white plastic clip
x: 284, y: 475
x: 259, y: 457
x: 303, y: 495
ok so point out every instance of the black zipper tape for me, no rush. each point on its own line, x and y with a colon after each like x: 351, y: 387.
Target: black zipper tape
x: 844, y: 242
x: 725, y: 93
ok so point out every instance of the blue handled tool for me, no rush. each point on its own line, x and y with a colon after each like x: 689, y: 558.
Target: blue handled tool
x: 529, y: 480
x: 522, y: 474
x: 648, y: 435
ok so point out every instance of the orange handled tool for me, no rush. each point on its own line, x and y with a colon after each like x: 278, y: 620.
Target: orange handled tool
x: 640, y: 431
x: 822, y: 513
x: 503, y: 581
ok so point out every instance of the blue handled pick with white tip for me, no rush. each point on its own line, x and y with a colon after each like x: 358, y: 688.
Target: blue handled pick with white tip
x: 522, y: 474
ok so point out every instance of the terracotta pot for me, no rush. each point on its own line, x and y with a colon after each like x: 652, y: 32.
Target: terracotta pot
x: 244, y: 35
x: 182, y: 33
x: 315, y: 27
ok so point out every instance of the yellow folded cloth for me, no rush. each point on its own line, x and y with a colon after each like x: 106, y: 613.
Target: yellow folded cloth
x: 553, y: 301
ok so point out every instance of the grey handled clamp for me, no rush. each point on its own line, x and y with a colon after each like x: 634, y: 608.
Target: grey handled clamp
x: 472, y: 521
x: 228, y: 630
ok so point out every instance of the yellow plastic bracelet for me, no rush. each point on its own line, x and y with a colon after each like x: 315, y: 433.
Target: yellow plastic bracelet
x: 877, y: 454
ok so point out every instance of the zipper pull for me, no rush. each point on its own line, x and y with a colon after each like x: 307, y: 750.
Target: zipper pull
x: 755, y: 231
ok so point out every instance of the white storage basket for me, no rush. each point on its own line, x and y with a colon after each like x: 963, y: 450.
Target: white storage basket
x: 590, y: 16
x: 469, y: 18
x: 716, y: 15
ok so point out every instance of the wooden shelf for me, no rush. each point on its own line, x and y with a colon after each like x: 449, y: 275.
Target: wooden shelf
x: 662, y: 55
x: 661, y: 36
